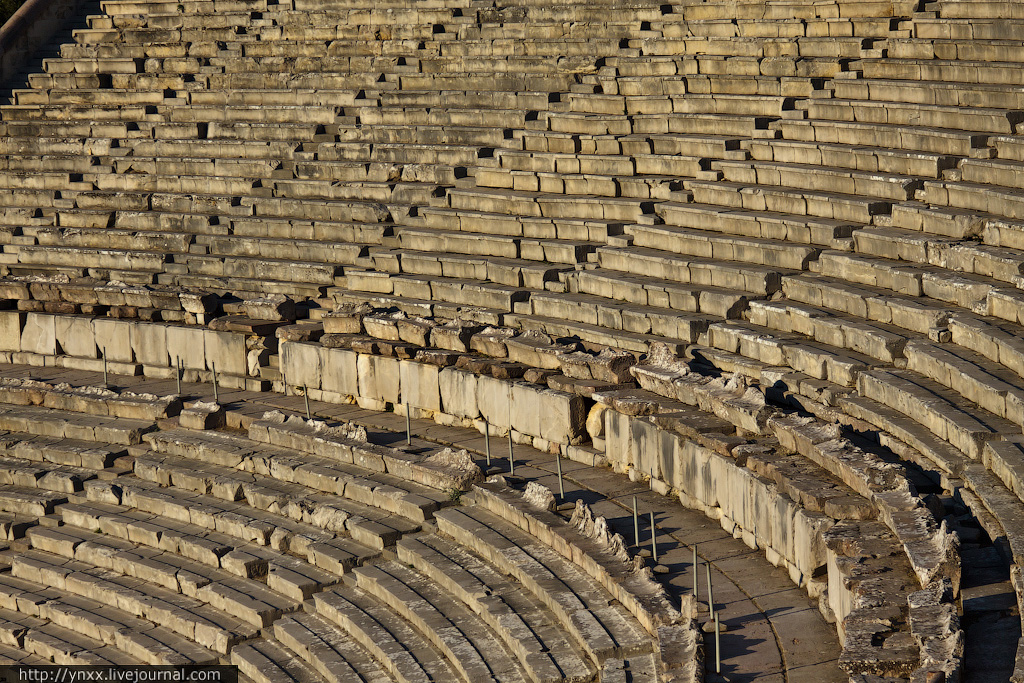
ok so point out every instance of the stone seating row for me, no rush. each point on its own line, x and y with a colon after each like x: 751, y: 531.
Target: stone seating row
x: 44, y: 641
x: 217, y: 631
x: 961, y: 69
x: 940, y: 93
x: 910, y: 138
x: 353, y: 483
x: 981, y: 119
x: 959, y: 28
x: 287, y: 574
x: 547, y: 653
x: 247, y: 599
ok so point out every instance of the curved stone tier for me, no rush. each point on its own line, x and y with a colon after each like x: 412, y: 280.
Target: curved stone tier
x: 274, y: 549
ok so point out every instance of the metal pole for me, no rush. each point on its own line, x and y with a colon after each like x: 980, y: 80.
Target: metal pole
x: 305, y: 395
x: 216, y: 396
x: 487, y: 440
x: 408, y: 426
x: 711, y: 595
x: 104, y: 366
x: 561, y: 486
x: 654, y: 539
x: 636, y: 525
x: 718, y: 645
x: 511, y: 455
x: 696, y: 576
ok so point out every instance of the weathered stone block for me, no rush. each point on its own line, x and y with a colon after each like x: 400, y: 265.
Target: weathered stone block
x: 458, y: 393
x: 301, y: 364
x: 419, y: 385
x: 39, y: 335
x: 188, y: 344
x: 339, y: 372
x: 494, y: 397
x: 75, y: 336
x: 378, y: 378
x: 11, y: 323
x: 113, y: 338
x: 227, y: 350
x: 149, y: 344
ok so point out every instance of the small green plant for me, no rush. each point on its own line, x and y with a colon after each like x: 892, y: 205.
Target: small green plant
x: 455, y: 495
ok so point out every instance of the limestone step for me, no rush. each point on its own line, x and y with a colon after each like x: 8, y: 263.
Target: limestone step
x: 525, y: 626
x: 871, y: 303
x: 415, y: 306
x: 995, y: 339
x: 362, y: 492
x: 253, y: 602
x: 190, y: 618
x: 808, y: 177
x: 897, y: 136
x: 114, y: 630
x: 686, y: 124
x: 402, y: 651
x: 61, y: 645
x: 532, y: 228
x: 367, y: 525
x: 326, y: 550
x: 511, y: 272
x: 62, y: 424
x: 937, y: 408
x: 949, y: 70
x: 815, y: 359
x: 980, y: 119
x: 44, y: 476
x: 988, y: 384
x: 753, y: 223
x: 315, y: 231
x: 617, y: 319
x: 753, y: 278
x: 867, y: 160
x: 655, y: 292
x: 443, y: 115
x: 998, y: 261
x: 593, y: 336
x: 689, y: 103
x: 577, y: 145
x: 959, y: 27
x: 794, y: 201
x: 264, y: 660
x: 472, y: 648
x: 232, y: 548
x: 443, y: 290
x: 876, y: 340
x: 604, y: 629
x: 706, y: 244
x: 332, y: 654
x: 943, y: 93
x: 977, y: 293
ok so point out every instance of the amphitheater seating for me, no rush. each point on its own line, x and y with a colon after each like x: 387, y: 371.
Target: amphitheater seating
x: 268, y: 556
x: 820, y: 198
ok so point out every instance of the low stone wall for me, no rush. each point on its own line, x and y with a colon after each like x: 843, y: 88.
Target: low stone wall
x: 447, y: 394
x: 129, y: 346
x: 746, y: 504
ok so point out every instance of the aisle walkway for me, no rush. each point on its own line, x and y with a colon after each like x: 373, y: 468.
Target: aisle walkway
x: 775, y: 634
